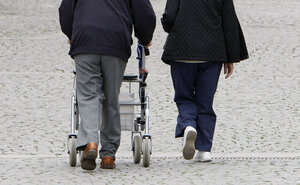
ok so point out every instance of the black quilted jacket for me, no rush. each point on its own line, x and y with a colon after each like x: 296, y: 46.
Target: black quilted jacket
x: 205, y: 30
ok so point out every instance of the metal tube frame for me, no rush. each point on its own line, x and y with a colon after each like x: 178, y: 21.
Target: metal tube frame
x: 142, y: 90
x: 73, y: 108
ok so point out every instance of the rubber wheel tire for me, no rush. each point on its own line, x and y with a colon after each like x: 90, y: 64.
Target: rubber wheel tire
x: 73, y: 153
x: 137, y: 149
x: 146, y: 152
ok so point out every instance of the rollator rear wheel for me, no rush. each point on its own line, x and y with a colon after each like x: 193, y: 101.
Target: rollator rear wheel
x: 137, y: 148
x: 72, y: 151
x: 146, y: 152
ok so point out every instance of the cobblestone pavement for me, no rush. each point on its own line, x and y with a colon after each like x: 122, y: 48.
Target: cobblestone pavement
x: 257, y: 134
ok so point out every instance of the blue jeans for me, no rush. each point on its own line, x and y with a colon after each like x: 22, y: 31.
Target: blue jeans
x: 195, y: 86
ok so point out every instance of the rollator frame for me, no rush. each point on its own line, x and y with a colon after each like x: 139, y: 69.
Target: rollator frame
x: 140, y: 137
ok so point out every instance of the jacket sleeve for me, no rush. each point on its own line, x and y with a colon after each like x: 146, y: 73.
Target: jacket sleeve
x: 169, y: 16
x: 66, y: 16
x: 144, y: 20
x: 234, y: 38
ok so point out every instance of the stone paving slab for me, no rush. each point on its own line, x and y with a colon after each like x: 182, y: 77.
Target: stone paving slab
x: 161, y: 171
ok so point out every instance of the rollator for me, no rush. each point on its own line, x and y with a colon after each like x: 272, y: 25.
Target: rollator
x: 137, y: 123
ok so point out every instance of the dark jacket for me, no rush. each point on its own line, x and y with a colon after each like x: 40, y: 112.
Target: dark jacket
x: 105, y: 26
x: 205, y: 30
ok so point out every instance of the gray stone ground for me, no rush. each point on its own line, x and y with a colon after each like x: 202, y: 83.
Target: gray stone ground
x: 257, y: 136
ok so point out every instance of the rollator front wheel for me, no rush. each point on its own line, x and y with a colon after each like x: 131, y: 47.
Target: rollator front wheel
x: 137, y: 148
x: 72, y: 151
x: 146, y: 152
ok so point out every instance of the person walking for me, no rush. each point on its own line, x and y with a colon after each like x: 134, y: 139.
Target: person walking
x: 202, y: 35
x: 99, y: 32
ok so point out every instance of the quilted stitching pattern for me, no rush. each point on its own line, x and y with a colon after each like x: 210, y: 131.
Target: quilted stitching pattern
x: 203, y: 30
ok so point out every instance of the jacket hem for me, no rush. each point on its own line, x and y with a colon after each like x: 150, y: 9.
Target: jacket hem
x: 100, y: 50
x: 167, y: 59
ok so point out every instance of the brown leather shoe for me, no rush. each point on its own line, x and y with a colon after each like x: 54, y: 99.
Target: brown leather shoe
x: 88, y: 160
x: 107, y: 162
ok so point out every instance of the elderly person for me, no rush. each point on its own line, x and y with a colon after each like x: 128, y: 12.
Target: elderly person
x: 100, y: 35
x: 203, y: 35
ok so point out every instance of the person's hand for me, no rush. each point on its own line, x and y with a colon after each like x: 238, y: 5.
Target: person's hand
x: 148, y: 45
x: 69, y: 41
x: 228, y: 69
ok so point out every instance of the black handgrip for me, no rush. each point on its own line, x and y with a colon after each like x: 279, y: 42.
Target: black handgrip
x: 147, y: 51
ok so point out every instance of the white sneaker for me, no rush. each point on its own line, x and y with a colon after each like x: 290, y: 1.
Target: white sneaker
x: 189, y: 138
x: 202, y: 156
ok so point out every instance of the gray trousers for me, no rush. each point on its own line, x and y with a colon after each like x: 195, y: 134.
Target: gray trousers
x: 98, y: 81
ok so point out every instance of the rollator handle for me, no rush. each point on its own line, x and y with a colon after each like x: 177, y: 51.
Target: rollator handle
x: 147, y: 51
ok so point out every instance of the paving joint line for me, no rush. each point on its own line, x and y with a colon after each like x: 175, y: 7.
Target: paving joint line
x: 238, y: 156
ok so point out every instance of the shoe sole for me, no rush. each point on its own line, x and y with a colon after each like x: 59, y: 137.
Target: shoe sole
x: 89, y: 160
x: 189, y: 147
x: 107, y: 166
x: 203, y: 161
